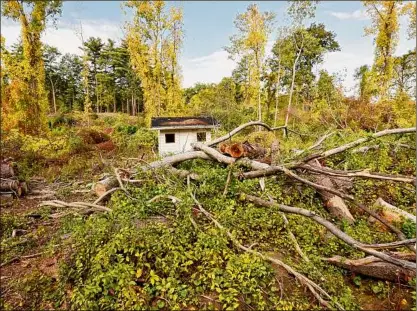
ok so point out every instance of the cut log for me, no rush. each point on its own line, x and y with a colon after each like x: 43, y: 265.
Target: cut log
x: 223, y: 148
x: 238, y: 150
x: 334, y: 204
x: 105, y: 185
x: 374, y: 267
x: 6, y: 170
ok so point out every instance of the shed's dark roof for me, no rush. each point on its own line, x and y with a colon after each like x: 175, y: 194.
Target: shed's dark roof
x: 183, y: 121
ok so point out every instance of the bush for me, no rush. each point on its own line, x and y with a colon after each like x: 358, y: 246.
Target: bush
x: 61, y: 120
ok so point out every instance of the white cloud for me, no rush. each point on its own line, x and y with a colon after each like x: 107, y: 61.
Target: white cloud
x: 208, y: 69
x: 345, y: 63
x: 355, y: 15
x: 211, y: 68
x: 65, y: 37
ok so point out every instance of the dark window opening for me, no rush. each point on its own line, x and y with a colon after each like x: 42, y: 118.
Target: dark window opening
x: 169, y: 138
x: 201, y: 136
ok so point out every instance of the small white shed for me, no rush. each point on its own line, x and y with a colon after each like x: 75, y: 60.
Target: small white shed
x: 176, y: 134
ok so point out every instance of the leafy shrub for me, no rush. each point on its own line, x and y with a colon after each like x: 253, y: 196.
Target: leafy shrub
x: 61, y: 120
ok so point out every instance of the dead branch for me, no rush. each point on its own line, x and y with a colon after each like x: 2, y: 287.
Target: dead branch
x: 395, y: 209
x: 361, y: 174
x: 334, y: 204
x: 21, y: 257
x: 105, y: 195
x: 313, y: 287
x: 332, y: 228
x: 392, y: 244
x: 229, y: 175
x: 122, y: 187
x: 57, y: 203
x: 183, y: 173
x: 240, y: 128
x: 355, y: 143
x: 291, y: 235
x: 317, y: 143
x: 101, y: 187
x: 161, y: 196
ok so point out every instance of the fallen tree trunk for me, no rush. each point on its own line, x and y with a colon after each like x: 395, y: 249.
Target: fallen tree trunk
x: 214, y: 154
x: 374, y: 267
x: 334, y: 204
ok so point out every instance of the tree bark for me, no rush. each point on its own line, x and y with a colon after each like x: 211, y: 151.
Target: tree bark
x: 53, y: 93
x: 105, y: 185
x: 334, y: 204
x: 292, y: 84
x: 374, y: 267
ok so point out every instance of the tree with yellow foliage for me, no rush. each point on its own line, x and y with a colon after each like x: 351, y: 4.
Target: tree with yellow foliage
x: 154, y: 39
x: 385, y: 27
x: 253, y: 28
x: 28, y: 98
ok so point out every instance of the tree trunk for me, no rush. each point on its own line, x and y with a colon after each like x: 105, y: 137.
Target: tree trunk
x: 276, y: 94
x: 127, y: 106
x: 292, y: 84
x: 53, y: 94
x: 104, y: 185
x: 97, y: 99
x: 375, y: 267
x: 335, y: 204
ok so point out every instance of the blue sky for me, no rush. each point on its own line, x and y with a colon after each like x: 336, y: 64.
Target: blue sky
x: 208, y: 26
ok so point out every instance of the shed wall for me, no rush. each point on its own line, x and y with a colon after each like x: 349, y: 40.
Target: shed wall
x: 183, y: 140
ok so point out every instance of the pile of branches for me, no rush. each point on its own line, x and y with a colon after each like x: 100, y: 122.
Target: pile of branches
x: 332, y: 185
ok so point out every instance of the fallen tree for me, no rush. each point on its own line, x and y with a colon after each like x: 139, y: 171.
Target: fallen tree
x: 375, y: 267
x: 328, y: 183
